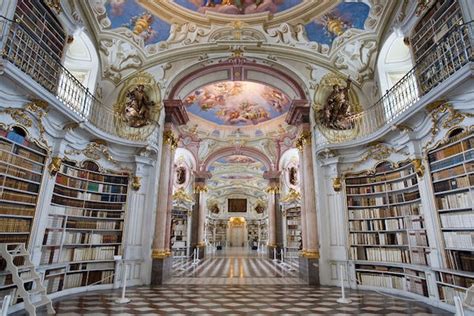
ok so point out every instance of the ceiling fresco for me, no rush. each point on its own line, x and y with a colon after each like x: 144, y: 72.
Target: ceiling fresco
x: 128, y: 14
x: 344, y: 16
x: 241, y: 159
x: 238, y: 6
x: 237, y: 103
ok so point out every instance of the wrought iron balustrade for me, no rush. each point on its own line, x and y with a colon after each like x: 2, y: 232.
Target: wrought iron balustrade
x: 451, y: 53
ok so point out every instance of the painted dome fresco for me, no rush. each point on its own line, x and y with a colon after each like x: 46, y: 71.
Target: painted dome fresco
x: 237, y: 103
x: 238, y: 6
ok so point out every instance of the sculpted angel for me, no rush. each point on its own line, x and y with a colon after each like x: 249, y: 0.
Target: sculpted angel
x: 137, y: 107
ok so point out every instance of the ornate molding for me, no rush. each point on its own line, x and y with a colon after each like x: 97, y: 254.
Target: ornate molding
x: 181, y: 196
x: 136, y: 183
x: 437, y: 111
x: 273, y: 189
x: 303, y: 140
x: 160, y: 253
x: 292, y: 196
x: 94, y: 150
x: 337, y: 184
x: 200, y: 188
x: 311, y: 254
x: 170, y: 139
x: 419, y: 167
x: 55, y: 165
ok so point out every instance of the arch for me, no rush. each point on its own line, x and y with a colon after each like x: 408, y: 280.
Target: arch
x: 82, y: 61
x: 394, y: 61
x: 246, y: 151
x: 243, y: 70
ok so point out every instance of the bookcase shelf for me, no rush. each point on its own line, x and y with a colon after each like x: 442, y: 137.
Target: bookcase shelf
x: 436, y: 61
x: 85, y: 226
x: 179, y: 233
x: 453, y: 190
x: 293, y: 229
x: 387, y: 238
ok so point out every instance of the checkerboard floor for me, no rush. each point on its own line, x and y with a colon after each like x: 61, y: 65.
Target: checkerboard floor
x: 238, y: 300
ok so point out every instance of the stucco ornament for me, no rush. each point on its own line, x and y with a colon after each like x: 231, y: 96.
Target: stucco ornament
x: 137, y: 107
x: 335, y: 104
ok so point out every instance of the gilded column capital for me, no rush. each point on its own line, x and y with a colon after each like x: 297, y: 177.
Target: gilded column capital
x: 55, y: 165
x: 200, y: 188
x: 136, y: 183
x: 418, y: 167
x: 337, y: 184
x: 311, y: 254
x: 303, y: 140
x: 273, y: 188
x: 170, y: 139
x: 160, y: 253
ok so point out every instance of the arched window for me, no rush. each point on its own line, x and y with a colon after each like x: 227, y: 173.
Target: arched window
x: 82, y: 60
x: 394, y: 62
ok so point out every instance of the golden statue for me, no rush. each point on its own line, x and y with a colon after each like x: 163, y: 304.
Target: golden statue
x: 137, y: 107
x: 337, y: 110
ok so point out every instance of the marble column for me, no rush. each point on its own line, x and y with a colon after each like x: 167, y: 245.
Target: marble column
x: 200, y: 191
x: 272, y: 191
x: 161, y: 266
x: 299, y: 115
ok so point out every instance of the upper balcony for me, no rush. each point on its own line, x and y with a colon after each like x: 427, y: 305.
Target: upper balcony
x: 28, y: 53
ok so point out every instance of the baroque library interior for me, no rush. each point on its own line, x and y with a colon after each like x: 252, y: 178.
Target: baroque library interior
x: 237, y: 157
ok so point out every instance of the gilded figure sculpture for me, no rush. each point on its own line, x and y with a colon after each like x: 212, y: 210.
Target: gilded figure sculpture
x: 137, y: 107
x: 337, y: 111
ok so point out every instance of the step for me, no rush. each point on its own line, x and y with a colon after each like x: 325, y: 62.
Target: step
x: 40, y: 303
x: 30, y: 279
x: 37, y: 291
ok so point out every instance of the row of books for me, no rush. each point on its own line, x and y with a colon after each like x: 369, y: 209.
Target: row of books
x: 293, y: 222
x: 418, y: 238
x: 460, y: 240
x: 95, y: 224
x: 19, y: 185
x: 453, y: 184
x: 54, y: 284
x: 383, y: 200
x: 379, y: 213
x: 20, y: 151
x: 447, y: 293
x: 419, y: 256
x: 85, y: 204
x: 380, y: 178
x: 14, y: 225
x: 383, y: 239
x: 71, y: 211
x: 92, y: 266
x: 90, y: 186
x: 90, y: 175
x: 52, y: 238
x: 14, y: 239
x: 381, y: 280
x: 88, y: 238
x: 460, y: 260
x: 377, y: 224
x: 83, y: 254
x: 382, y: 188
x: 293, y: 232
x: 447, y: 163
x: 457, y: 220
x: 13, y: 209
x: 446, y: 152
x: 447, y: 173
x: 12, y: 171
x: 89, y: 196
x: 15, y: 137
x: 456, y: 200
x: 458, y: 280
x: 380, y: 254
x: 55, y: 221
x: 416, y: 285
x: 17, y: 197
x: 21, y: 162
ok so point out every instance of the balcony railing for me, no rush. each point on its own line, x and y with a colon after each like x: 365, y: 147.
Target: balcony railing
x: 451, y: 53
x: 19, y: 47
x: 22, y: 49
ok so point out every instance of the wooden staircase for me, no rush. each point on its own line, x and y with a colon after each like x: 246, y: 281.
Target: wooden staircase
x: 25, y: 277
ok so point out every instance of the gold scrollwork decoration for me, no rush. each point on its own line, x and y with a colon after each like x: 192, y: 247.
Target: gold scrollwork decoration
x: 292, y: 196
x: 200, y: 188
x: 337, y: 184
x: 94, y: 150
x: 181, y: 195
x: 419, y: 167
x: 55, y: 165
x: 303, y: 140
x: 453, y: 118
x: 273, y: 189
x: 170, y: 139
x: 136, y: 183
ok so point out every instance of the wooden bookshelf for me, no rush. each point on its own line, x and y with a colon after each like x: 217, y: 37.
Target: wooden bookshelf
x: 252, y: 233
x: 179, y: 233
x: 437, y: 23
x: 85, y: 226
x: 387, y: 237
x: 451, y: 166
x: 22, y: 164
x: 453, y: 283
x: 293, y: 228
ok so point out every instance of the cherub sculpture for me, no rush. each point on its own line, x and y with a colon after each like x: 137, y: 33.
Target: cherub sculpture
x: 137, y: 107
x: 337, y: 110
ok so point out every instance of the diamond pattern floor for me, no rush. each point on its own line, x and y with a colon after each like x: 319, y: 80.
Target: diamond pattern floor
x: 238, y: 300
